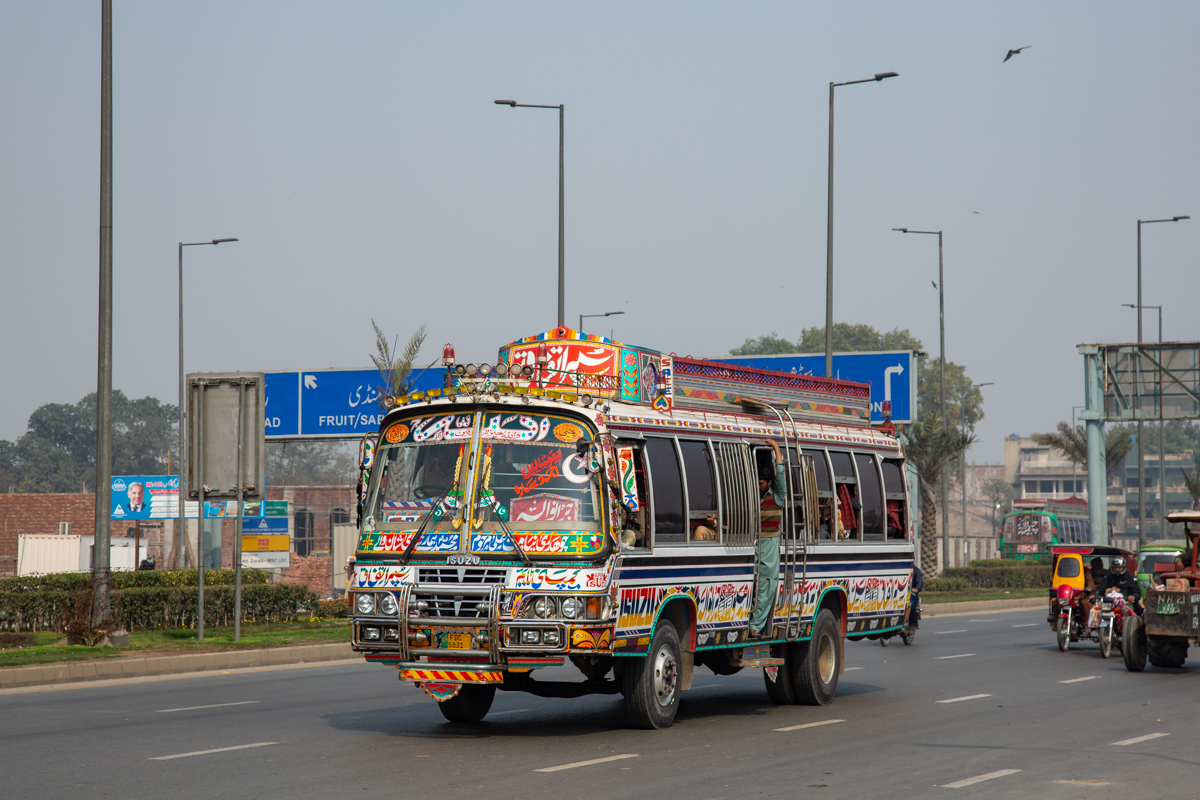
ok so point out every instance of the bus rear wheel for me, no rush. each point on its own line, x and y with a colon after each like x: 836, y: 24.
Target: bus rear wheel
x: 471, y: 704
x: 818, y: 662
x: 651, y: 685
x: 782, y: 690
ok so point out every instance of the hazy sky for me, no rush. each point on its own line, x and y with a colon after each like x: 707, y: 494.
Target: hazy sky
x: 355, y: 150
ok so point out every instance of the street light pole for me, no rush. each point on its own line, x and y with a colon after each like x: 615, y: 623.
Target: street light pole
x: 101, y: 552
x: 941, y: 287
x: 1162, y: 474
x: 582, y: 317
x: 829, y: 224
x: 1138, y: 382
x: 562, y: 313
x: 963, y: 476
x: 181, y: 534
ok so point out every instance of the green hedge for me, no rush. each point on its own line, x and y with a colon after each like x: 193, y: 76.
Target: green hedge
x: 1006, y: 577
x: 1010, y: 562
x: 142, y: 579
x: 31, y: 604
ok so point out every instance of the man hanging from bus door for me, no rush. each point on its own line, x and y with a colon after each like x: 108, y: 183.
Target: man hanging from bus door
x: 772, y: 488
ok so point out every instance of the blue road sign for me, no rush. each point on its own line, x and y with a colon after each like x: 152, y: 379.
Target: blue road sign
x: 329, y: 403
x: 892, y: 375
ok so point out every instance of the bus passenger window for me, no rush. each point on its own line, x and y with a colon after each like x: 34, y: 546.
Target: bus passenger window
x: 633, y: 533
x: 701, y: 491
x: 872, y: 497
x: 893, y: 493
x: 666, y: 491
x: 824, y: 492
x: 848, y: 504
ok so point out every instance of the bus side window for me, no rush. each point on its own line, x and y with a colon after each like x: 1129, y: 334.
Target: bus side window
x: 739, y: 494
x: 666, y: 491
x: 635, y: 526
x: 847, y: 495
x: 824, y: 492
x: 893, y: 493
x: 804, y: 497
x: 701, y: 491
x: 872, y: 497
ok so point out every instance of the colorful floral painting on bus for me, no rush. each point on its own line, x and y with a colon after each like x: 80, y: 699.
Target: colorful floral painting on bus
x: 568, y: 543
x: 628, y: 478
x: 590, y: 366
x: 378, y: 542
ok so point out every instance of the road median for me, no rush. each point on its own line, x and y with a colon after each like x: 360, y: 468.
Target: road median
x: 107, y: 669
x: 981, y: 606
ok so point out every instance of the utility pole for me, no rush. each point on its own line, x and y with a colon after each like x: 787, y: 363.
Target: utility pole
x: 101, y: 553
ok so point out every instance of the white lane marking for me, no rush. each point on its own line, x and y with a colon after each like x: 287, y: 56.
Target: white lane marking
x: 1027, y: 625
x: 1000, y: 773
x: 960, y: 699
x: 851, y: 669
x: 1088, y: 783
x: 1138, y: 739
x: 1080, y: 680
x: 811, y: 725
x: 197, y: 708
x: 943, y: 633
x: 214, y: 750
x: 587, y: 763
x: 511, y: 711
x: 960, y: 655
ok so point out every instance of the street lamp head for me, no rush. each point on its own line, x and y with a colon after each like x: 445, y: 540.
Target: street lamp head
x: 902, y: 230
x: 1176, y: 219
x: 511, y: 103
x: 614, y: 313
x: 881, y: 75
x: 218, y: 241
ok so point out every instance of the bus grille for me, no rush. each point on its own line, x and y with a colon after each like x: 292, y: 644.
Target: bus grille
x: 467, y: 575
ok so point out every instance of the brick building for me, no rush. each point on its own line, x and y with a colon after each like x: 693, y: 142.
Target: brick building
x: 56, y: 513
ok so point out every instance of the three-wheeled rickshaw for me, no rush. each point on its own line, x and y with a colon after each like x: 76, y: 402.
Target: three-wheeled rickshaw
x: 1074, y: 615
x: 1171, y: 620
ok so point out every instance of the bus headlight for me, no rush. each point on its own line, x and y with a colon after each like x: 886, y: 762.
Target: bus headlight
x: 365, y: 603
x: 571, y: 607
x: 543, y: 607
x: 387, y: 604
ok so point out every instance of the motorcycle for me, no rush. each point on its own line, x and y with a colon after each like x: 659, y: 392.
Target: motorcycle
x: 1070, y: 623
x: 912, y: 615
x: 1114, y: 610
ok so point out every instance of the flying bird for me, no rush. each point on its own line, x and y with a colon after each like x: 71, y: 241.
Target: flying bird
x: 974, y: 212
x: 934, y: 284
x: 1012, y: 53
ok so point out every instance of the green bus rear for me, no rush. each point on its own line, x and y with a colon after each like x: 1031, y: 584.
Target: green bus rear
x: 1028, y: 534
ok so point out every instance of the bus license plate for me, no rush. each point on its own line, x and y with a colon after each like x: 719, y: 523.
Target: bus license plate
x: 458, y: 641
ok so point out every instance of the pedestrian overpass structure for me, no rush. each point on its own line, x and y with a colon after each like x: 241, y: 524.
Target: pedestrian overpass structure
x: 1130, y: 383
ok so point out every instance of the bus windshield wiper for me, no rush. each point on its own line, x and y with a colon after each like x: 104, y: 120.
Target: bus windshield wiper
x: 491, y: 504
x: 417, y: 536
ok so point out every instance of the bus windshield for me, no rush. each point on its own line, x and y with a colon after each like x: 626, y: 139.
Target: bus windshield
x: 423, y: 466
x: 534, y: 482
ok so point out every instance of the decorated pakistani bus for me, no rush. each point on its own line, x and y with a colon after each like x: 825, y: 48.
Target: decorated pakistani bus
x: 1034, y: 526
x: 631, y: 513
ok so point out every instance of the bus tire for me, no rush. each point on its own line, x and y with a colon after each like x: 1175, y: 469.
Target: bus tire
x: 819, y: 662
x: 1133, y: 644
x: 782, y: 690
x: 471, y: 704
x: 651, y: 685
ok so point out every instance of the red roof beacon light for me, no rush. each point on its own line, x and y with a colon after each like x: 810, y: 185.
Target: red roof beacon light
x: 886, y: 410
x: 448, y: 355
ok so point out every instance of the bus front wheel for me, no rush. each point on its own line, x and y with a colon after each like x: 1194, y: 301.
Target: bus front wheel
x: 651, y: 685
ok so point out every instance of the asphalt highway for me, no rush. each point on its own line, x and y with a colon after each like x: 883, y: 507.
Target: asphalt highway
x: 980, y: 705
